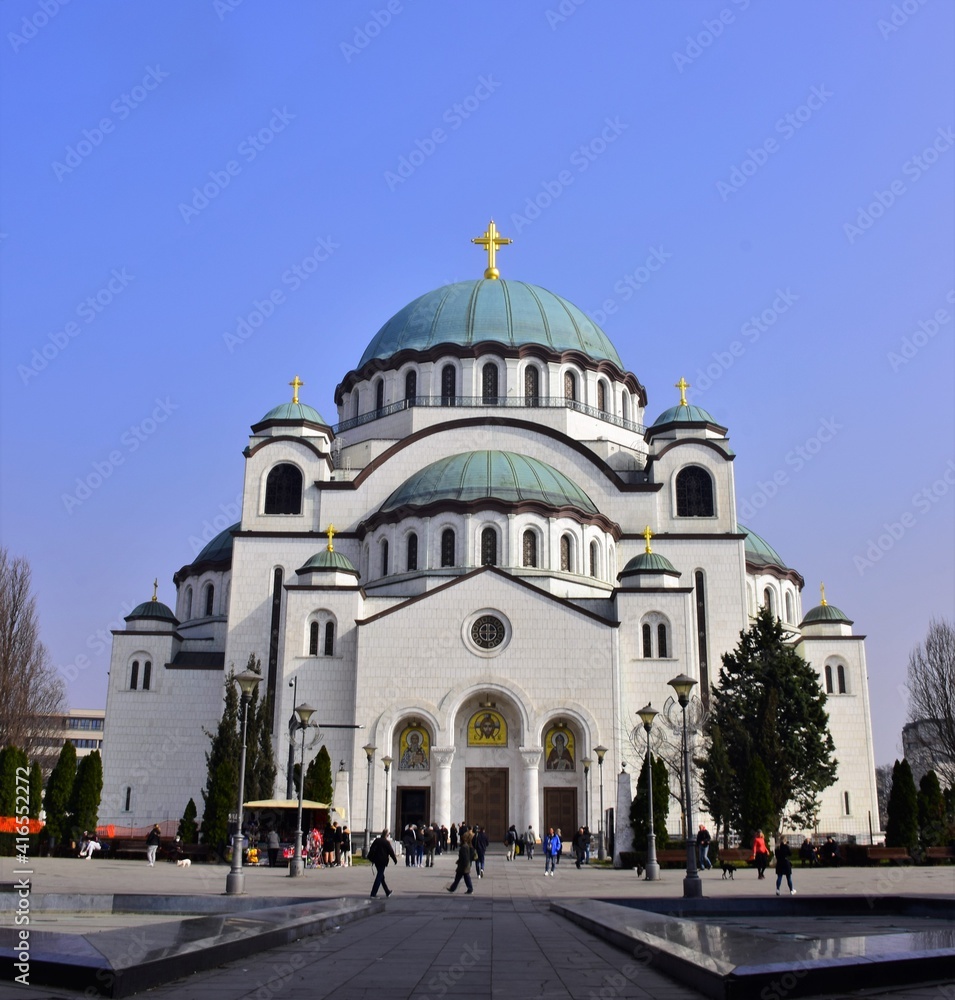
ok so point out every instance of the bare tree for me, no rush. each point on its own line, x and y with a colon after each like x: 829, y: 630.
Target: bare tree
x: 31, y: 688
x: 931, y: 684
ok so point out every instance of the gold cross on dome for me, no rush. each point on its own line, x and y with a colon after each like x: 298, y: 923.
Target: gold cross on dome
x: 296, y: 384
x: 648, y: 534
x: 822, y: 592
x: 683, y: 385
x: 155, y: 589
x: 331, y: 532
x: 491, y: 240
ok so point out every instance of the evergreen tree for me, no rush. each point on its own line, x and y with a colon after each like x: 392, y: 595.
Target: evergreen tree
x: 87, y: 789
x: 757, y: 809
x: 717, y: 780
x: 931, y: 805
x: 59, y: 791
x: 188, y: 829
x: 902, y: 826
x: 769, y: 706
x: 310, y: 791
x: 259, y: 759
x: 222, y: 778
x: 323, y: 779
x: 12, y: 759
x: 36, y: 801
x: 640, y: 810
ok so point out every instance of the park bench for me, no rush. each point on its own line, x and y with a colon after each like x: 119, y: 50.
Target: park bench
x: 127, y: 847
x: 734, y: 855
x: 934, y: 854
x: 876, y: 854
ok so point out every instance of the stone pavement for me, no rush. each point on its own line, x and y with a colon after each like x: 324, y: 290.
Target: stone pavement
x: 502, y: 942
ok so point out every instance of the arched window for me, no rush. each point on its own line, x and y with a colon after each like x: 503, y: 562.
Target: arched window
x: 594, y: 552
x: 489, y: 376
x: 602, y: 396
x: 187, y: 605
x: 134, y: 676
x: 703, y: 645
x: 532, y: 386
x: 412, y: 562
x: 694, y: 492
x: 647, y: 642
x: 841, y: 678
x: 566, y: 554
x: 570, y: 385
x: 411, y: 387
x: 147, y: 674
x: 845, y: 802
x: 828, y: 679
x: 379, y: 394
x: 313, y: 639
x: 209, y: 601
x: 384, y: 557
x: 529, y: 548
x: 283, y: 490
x: 790, y: 614
x: 447, y: 547
x: 127, y: 799
x: 488, y: 547
x: 625, y: 407
x: 662, y: 648
x: 448, y: 385
x: 329, y: 638
x: 769, y: 601
x: 356, y: 404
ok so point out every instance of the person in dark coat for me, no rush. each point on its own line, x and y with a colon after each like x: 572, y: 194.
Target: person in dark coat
x: 453, y: 837
x: 272, y: 845
x: 578, y: 843
x: 466, y: 855
x: 410, y: 843
x: 153, y: 840
x: 481, y: 844
x: 379, y: 854
x: 784, y: 865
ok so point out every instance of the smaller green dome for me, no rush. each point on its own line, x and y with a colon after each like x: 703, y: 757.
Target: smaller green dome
x: 328, y: 562
x: 154, y: 610
x: 299, y: 412
x: 684, y: 413
x: 648, y: 562
x: 825, y: 613
x: 220, y: 548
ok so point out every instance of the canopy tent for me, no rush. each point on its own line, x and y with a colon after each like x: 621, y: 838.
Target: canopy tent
x: 284, y: 804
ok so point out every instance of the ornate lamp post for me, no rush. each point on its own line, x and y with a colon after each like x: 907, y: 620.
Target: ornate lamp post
x: 235, y: 880
x: 588, y: 764
x: 295, y: 868
x: 692, y: 885
x: 370, y: 754
x: 601, y: 752
x: 647, y: 714
x: 387, y: 761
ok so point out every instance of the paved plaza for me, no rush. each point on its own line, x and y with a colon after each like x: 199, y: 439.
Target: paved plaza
x: 503, y: 941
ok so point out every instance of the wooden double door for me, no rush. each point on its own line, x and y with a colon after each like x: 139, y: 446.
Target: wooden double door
x: 560, y: 811
x: 486, y: 800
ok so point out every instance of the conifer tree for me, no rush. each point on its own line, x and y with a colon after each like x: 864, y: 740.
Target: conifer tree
x: 931, y: 805
x: 902, y: 825
x: 640, y: 807
x: 756, y: 808
x: 717, y: 780
x: 222, y: 778
x: 323, y: 776
x: 12, y: 759
x: 87, y: 789
x: 59, y: 790
x: 188, y: 829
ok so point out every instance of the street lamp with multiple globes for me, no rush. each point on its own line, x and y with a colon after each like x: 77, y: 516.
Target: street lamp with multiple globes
x: 387, y: 761
x: 601, y: 752
x: 647, y: 714
x: 370, y: 754
x: 295, y: 868
x: 248, y: 681
x: 692, y: 885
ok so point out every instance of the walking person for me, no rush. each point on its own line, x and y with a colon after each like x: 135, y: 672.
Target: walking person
x: 346, y: 847
x: 560, y: 846
x: 153, y: 840
x: 703, y: 840
x: 453, y: 837
x: 579, y: 844
x: 552, y: 846
x: 760, y: 853
x: 530, y: 842
x: 466, y: 854
x: 510, y: 839
x: 784, y: 865
x: 379, y: 854
x: 430, y: 845
x: 272, y: 846
x: 481, y: 844
x: 409, y: 841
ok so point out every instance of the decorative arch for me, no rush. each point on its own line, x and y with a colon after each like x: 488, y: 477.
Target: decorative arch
x: 283, y: 489
x: 571, y: 383
x: 530, y: 548
x: 208, y: 600
x: 490, y: 378
x: 379, y: 394
x: 694, y: 492
x: 656, y: 636
x: 532, y: 385
x: 187, y: 604
x: 449, y: 384
x: 414, y: 747
x: 321, y: 633
x: 560, y: 748
x: 489, y: 546
x: 411, y: 386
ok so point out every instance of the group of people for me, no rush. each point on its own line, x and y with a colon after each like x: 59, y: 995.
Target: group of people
x: 327, y: 848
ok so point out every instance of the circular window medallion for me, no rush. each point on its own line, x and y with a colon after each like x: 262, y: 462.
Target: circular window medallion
x: 488, y: 632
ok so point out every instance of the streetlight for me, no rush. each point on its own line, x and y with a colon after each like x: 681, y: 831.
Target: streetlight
x: 692, y: 886
x: 295, y: 868
x: 235, y: 880
x: 601, y: 752
x: 290, y: 770
x: 647, y: 714
x: 387, y: 761
x: 369, y: 753
x: 588, y: 763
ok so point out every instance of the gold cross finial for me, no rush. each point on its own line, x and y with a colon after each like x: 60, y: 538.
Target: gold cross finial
x: 822, y: 591
x: 331, y: 532
x: 296, y: 384
x: 491, y: 240
x: 155, y: 589
x: 683, y: 385
x: 648, y: 534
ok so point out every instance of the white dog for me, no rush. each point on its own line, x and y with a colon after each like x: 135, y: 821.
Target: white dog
x: 183, y: 863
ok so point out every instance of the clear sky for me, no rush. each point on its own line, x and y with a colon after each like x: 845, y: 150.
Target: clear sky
x: 755, y: 195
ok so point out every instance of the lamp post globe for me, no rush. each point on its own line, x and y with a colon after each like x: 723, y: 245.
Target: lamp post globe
x: 647, y: 714
x: 304, y: 713
x: 248, y: 680
x: 692, y: 884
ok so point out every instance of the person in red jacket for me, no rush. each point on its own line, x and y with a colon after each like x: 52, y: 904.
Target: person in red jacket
x: 760, y: 853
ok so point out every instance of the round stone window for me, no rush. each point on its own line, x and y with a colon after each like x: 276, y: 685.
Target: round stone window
x: 486, y: 632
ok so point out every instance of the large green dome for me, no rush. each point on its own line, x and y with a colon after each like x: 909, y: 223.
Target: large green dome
x: 512, y: 313
x: 758, y: 551
x: 489, y: 475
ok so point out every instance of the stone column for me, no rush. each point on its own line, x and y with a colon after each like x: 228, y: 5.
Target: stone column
x: 623, y: 831
x: 441, y: 757
x: 532, y: 759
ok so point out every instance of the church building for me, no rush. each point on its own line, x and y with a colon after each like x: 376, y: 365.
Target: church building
x: 489, y: 560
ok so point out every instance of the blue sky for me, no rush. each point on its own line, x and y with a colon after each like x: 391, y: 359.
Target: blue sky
x: 172, y: 171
